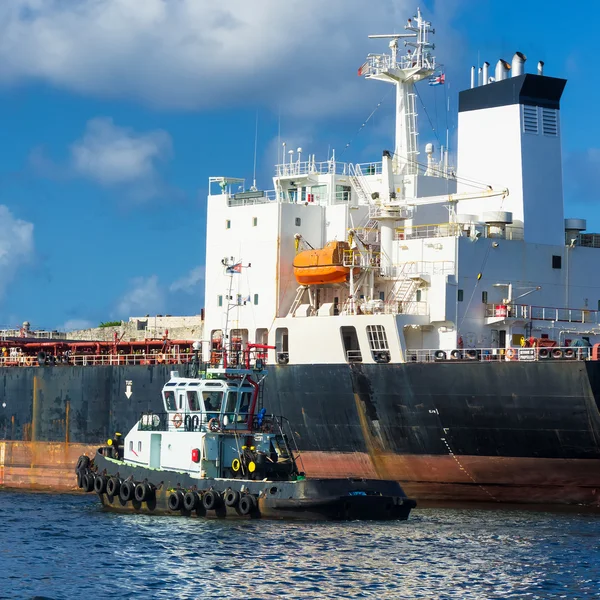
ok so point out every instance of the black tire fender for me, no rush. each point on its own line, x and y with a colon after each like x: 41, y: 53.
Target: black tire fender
x: 113, y: 486
x: 211, y: 500
x: 231, y: 497
x: 87, y: 482
x: 100, y: 484
x: 247, y: 504
x: 191, y: 500
x: 175, y: 501
x: 143, y: 491
x: 127, y: 491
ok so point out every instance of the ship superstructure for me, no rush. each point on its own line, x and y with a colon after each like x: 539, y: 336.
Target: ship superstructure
x: 395, y: 260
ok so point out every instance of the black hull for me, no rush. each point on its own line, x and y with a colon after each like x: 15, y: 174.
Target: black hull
x: 313, y: 499
x: 462, y: 431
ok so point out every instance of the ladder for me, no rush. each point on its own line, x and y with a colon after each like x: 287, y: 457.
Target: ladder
x: 297, y: 299
x: 359, y: 183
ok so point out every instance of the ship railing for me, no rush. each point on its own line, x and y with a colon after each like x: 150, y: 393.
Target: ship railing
x: 20, y: 359
x: 419, y: 267
x: 522, y: 354
x: 434, y: 230
x: 378, y: 63
x: 310, y: 167
x: 528, y: 312
x: 437, y: 230
x: 248, y: 199
x: 372, y: 168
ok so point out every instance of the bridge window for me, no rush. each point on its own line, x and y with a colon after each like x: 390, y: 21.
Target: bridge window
x: 460, y: 295
x: 556, y: 261
x: 484, y: 297
x: 227, y: 224
x: 139, y: 446
x: 351, y: 345
x: 254, y: 221
x: 298, y: 221
x: 255, y: 299
x: 193, y: 403
x: 170, y: 400
x: 219, y: 301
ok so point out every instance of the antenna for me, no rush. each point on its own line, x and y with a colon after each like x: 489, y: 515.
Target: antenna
x: 255, y: 148
x: 403, y: 72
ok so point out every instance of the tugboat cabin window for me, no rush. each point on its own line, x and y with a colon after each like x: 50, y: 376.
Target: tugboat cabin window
x: 212, y: 403
x: 193, y: 402
x: 350, y: 342
x: 170, y: 400
x: 139, y: 446
x: 131, y: 446
x: 230, y: 404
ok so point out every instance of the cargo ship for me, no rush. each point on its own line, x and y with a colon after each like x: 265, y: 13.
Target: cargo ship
x: 443, y: 323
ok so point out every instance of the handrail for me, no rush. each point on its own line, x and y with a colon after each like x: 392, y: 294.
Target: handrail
x: 84, y: 360
x: 542, y: 313
x: 498, y: 354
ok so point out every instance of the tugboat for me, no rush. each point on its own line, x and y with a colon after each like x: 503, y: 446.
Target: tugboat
x: 215, y: 452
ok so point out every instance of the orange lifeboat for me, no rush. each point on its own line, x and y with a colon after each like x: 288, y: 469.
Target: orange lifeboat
x: 325, y: 265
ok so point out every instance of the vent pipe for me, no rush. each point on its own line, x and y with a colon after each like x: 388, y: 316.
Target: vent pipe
x: 472, y: 77
x: 502, y: 68
x: 518, y: 64
x: 486, y: 73
x: 541, y: 67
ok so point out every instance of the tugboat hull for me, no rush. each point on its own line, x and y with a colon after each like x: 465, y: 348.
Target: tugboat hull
x: 177, y: 493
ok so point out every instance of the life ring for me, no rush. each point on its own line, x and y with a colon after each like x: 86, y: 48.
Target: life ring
x: 236, y: 465
x: 557, y: 353
x: 231, y: 498
x: 543, y: 353
x: 455, y: 354
x: 569, y: 353
x: 28, y: 361
x: 211, y: 500
x: 283, y: 358
x: 126, y: 493
x: 472, y: 354
x: 177, y: 420
x: 247, y: 504
x: 214, y: 425
x: 175, y: 500
x: 511, y: 354
x: 439, y: 355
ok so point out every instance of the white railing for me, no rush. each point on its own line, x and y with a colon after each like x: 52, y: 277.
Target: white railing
x: 310, y: 167
x: 40, y: 334
x: 380, y: 307
x: 542, y: 313
x: 438, y: 230
x: 372, y: 168
x: 419, y: 267
x: 498, y: 354
x: 24, y: 360
x: 377, y: 63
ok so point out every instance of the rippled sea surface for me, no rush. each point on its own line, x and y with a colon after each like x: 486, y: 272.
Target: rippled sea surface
x: 54, y: 546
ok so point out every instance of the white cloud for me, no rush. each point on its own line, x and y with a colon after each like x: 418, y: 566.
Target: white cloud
x: 196, y: 54
x: 114, y: 155
x: 145, y: 296
x: 76, y: 325
x: 16, y: 246
x: 190, y: 283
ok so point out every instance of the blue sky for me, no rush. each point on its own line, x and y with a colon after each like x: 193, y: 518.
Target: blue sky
x: 114, y: 113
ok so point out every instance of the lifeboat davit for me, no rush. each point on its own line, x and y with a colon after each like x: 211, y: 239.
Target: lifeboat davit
x: 322, y: 266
